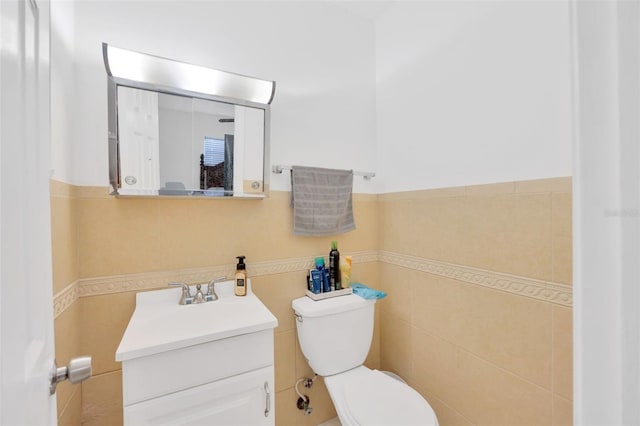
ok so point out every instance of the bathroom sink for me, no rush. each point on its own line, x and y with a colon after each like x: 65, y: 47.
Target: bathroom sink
x: 159, y: 324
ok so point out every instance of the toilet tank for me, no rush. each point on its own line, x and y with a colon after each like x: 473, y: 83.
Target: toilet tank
x: 334, y: 334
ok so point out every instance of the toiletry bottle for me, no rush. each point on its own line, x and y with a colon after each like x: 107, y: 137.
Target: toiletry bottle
x: 324, y: 273
x: 334, y: 266
x: 345, y: 271
x: 316, y: 281
x: 241, y: 277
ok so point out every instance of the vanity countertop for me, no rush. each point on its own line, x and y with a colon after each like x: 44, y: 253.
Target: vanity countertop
x: 160, y: 324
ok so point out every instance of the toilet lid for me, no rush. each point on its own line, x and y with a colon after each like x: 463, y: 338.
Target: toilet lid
x: 377, y: 399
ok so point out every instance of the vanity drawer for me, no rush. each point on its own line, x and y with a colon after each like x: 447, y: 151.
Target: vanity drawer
x: 245, y: 399
x: 159, y: 374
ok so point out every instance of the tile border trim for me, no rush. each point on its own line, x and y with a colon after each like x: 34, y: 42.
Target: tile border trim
x: 65, y: 298
x: 156, y: 280
x: 547, y: 291
x: 560, y: 294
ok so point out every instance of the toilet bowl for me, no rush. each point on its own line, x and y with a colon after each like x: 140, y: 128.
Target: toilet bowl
x: 335, y: 336
x: 369, y: 397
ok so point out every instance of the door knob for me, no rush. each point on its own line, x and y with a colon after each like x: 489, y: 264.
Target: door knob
x: 78, y: 370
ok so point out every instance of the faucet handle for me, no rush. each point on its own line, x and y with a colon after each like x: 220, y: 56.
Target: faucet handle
x: 211, y: 289
x: 186, y: 298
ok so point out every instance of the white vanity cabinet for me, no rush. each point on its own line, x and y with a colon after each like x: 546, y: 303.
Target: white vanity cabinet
x: 204, y: 364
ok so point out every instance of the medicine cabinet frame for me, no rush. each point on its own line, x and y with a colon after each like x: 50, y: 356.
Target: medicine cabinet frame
x: 166, y: 76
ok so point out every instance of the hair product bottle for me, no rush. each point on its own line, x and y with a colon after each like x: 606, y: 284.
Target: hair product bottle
x: 241, y: 277
x: 324, y: 274
x: 334, y: 266
x: 345, y: 271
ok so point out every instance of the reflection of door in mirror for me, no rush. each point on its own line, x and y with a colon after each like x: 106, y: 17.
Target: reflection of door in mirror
x: 216, y: 164
x: 249, y: 150
x: 139, y: 135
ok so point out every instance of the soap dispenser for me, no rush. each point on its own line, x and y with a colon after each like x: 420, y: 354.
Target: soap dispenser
x: 241, y: 277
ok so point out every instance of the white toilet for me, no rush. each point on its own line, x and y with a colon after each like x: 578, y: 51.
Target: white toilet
x: 335, y: 336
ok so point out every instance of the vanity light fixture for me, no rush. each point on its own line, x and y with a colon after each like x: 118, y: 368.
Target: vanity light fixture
x: 158, y: 73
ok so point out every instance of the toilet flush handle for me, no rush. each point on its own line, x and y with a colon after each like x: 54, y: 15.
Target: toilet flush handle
x: 298, y: 317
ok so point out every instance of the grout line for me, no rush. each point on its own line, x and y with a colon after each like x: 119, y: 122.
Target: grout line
x: 553, y: 348
x: 441, y: 401
x: 551, y: 237
x: 75, y: 389
x: 491, y: 363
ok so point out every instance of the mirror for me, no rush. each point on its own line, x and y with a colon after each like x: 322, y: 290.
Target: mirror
x: 170, y: 141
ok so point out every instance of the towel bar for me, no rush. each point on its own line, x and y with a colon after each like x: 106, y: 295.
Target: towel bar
x: 278, y: 169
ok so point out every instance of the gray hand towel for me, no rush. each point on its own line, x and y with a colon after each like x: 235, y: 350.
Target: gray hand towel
x: 321, y: 201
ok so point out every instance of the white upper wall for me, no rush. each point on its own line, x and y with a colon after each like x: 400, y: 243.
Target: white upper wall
x: 472, y: 93
x: 320, y: 55
x: 431, y: 94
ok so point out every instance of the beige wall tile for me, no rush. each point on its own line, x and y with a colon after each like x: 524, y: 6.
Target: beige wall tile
x: 104, y: 320
x: 562, y: 214
x: 559, y: 184
x: 102, y: 400
x: 493, y: 229
x: 510, y: 331
x: 487, y: 333
x: 71, y: 413
x: 286, y: 412
x: 507, y: 233
x: 93, y: 192
x: 563, y: 352
x: 562, y: 238
x: 562, y: 259
x: 562, y: 411
x: 454, y: 191
x: 285, y: 356
x: 531, y: 245
x: 67, y: 341
x: 61, y: 189
x: 446, y: 415
x: 397, y: 346
x: 64, y: 241
x: 118, y: 236
x: 397, y: 283
x: 491, y: 188
x: 479, y: 391
x: 277, y: 292
x: 428, y: 227
x: 367, y: 273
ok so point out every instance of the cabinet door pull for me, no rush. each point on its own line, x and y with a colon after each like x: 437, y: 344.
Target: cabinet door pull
x: 267, y: 408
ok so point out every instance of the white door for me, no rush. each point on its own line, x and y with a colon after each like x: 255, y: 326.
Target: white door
x: 26, y: 308
x: 139, y: 138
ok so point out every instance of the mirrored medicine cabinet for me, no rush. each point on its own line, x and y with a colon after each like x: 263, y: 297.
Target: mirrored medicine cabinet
x: 182, y: 130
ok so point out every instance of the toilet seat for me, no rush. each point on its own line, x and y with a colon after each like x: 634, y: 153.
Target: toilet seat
x: 368, y: 397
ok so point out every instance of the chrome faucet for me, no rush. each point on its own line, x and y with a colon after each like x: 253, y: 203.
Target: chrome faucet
x: 199, y: 297
x: 211, y: 289
x: 186, y: 298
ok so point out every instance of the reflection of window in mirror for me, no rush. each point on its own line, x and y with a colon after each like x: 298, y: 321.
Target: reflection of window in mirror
x: 216, y: 164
